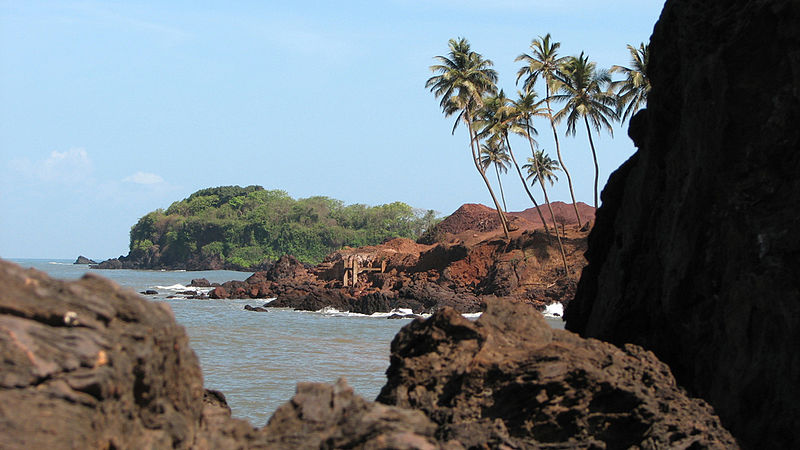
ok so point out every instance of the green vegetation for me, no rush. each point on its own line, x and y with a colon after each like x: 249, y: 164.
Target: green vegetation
x: 247, y: 226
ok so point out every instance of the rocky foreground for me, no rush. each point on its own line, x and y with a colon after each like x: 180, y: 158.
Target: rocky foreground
x: 470, y: 264
x: 87, y: 364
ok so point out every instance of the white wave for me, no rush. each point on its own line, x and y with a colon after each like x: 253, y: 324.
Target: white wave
x: 554, y: 310
x: 472, y: 315
x: 268, y: 300
x: 60, y: 263
x: 400, y: 311
x: 175, y: 287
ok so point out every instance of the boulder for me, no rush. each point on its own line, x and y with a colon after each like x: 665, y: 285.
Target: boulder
x: 87, y: 364
x: 694, y: 254
x: 325, y: 416
x: 200, y: 282
x: 510, y: 380
x: 286, y: 267
x: 255, y: 308
x: 84, y: 260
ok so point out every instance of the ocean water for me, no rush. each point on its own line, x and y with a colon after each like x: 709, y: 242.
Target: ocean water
x: 256, y: 358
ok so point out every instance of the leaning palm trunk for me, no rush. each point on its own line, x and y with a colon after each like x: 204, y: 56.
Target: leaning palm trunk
x: 525, y: 185
x: 502, y: 194
x: 558, y: 152
x: 594, y: 157
x: 476, y: 160
x: 550, y: 207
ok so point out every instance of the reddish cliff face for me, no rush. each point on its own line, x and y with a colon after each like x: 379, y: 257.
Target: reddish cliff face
x: 470, y: 262
x: 694, y: 253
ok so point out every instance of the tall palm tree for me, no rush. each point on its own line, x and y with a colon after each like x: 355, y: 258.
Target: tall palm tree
x: 582, y: 88
x: 493, y: 152
x: 632, y: 91
x: 496, y: 119
x: 526, y: 107
x: 544, y: 62
x: 547, y: 168
x: 463, y: 78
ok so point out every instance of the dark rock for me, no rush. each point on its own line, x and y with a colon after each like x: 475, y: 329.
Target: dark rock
x: 510, y: 380
x: 286, y: 266
x: 255, y: 308
x: 149, y: 292
x: 114, y: 263
x: 324, y: 416
x: 84, y: 260
x: 694, y: 254
x: 200, y: 282
x: 403, y: 316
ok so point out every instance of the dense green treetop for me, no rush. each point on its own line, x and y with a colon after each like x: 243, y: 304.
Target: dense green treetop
x: 250, y: 225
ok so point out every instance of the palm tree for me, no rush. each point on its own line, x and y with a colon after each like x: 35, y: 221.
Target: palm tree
x: 526, y: 107
x: 494, y: 152
x: 547, y: 168
x: 632, y: 91
x: 581, y: 86
x: 544, y: 62
x: 496, y: 119
x: 463, y: 78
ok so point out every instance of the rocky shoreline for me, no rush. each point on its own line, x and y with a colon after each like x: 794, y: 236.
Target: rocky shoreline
x: 401, y: 274
x: 693, y: 271
x: 94, y: 365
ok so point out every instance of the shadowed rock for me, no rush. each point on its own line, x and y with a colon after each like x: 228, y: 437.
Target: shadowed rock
x: 695, y: 251
x: 509, y: 379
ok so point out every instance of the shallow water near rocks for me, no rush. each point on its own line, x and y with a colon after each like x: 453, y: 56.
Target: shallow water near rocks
x: 256, y: 358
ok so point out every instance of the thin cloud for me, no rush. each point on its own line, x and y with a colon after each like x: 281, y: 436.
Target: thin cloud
x: 69, y: 167
x: 144, y: 178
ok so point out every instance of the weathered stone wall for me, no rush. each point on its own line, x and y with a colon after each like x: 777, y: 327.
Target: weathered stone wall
x: 695, y: 254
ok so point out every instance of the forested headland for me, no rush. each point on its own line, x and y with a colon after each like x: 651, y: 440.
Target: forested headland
x: 245, y: 227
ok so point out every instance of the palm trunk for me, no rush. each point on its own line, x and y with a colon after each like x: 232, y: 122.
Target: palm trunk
x: 560, y: 160
x: 550, y: 207
x: 473, y: 142
x: 502, y: 194
x: 525, y: 185
x: 594, y: 156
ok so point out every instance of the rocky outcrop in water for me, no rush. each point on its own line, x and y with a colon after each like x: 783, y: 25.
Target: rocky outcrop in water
x: 424, y: 278
x: 83, y: 260
x: 694, y: 254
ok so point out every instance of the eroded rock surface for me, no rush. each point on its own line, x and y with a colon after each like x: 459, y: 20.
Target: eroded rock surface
x: 510, y: 380
x: 87, y: 364
x: 695, y: 253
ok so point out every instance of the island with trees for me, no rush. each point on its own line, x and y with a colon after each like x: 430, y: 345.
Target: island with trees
x: 246, y: 228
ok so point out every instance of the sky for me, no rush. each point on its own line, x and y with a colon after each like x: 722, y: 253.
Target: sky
x: 112, y: 109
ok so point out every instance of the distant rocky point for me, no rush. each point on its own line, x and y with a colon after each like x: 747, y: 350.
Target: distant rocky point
x: 84, y: 260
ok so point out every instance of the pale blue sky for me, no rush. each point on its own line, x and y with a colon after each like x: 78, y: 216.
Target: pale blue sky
x: 109, y: 110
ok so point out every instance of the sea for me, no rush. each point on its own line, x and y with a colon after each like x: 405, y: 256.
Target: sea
x: 257, y: 358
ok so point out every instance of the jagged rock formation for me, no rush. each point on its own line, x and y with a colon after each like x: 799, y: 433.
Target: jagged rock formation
x: 510, y: 380
x: 694, y: 254
x: 424, y: 278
